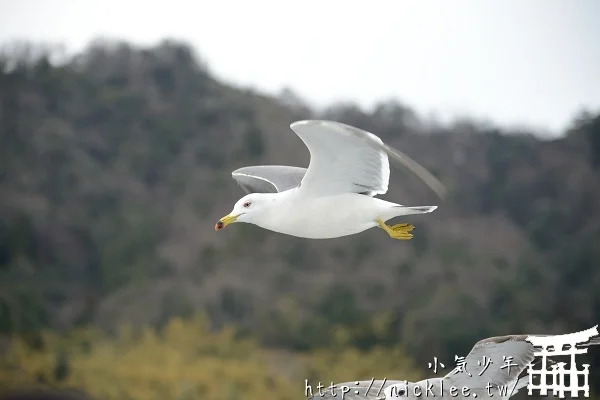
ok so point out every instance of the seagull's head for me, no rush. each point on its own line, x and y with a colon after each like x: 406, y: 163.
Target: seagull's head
x: 249, y: 209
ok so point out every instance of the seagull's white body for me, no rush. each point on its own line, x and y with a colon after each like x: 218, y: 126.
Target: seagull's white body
x: 326, y: 217
x: 334, y: 196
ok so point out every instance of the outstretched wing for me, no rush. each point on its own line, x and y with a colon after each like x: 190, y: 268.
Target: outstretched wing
x: 486, y: 362
x: 347, y: 159
x: 268, y: 178
x: 342, y: 159
x: 507, y: 359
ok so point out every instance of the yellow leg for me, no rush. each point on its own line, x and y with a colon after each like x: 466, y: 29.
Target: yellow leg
x: 398, y: 231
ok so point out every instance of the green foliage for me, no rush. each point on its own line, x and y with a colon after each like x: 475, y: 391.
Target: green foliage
x: 127, y: 246
x: 362, y: 249
x: 254, y: 143
x: 296, y: 254
x: 338, y: 306
x: 21, y: 310
x: 454, y: 255
x: 186, y: 359
x: 588, y: 126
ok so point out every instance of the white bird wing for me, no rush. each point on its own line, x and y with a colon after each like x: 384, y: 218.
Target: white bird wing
x: 484, y: 364
x: 356, y: 390
x: 345, y: 159
x: 268, y: 178
x: 497, y: 373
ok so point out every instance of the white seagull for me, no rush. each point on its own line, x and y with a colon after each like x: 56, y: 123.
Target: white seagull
x: 496, y: 368
x: 334, y: 197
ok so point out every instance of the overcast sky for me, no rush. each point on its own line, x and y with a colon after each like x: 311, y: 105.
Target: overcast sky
x: 534, y: 62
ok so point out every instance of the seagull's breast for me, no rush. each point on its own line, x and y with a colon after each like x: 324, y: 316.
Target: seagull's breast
x: 321, y: 217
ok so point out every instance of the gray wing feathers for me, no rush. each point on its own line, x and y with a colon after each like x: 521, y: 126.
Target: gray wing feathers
x: 268, y: 178
x: 494, y: 350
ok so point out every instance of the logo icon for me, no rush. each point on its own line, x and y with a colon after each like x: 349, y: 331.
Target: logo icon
x: 561, y: 345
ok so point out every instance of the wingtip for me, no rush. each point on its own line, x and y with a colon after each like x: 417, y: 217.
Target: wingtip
x: 313, y: 122
x: 303, y: 122
x: 238, y: 172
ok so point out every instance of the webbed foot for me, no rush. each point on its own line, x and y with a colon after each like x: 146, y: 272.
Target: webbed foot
x: 398, y: 231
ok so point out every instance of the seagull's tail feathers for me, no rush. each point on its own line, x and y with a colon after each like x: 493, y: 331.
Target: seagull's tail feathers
x: 403, y: 210
x: 423, y: 209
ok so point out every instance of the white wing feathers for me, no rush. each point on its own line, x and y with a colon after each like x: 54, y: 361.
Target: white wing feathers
x: 348, y: 159
x: 343, y: 159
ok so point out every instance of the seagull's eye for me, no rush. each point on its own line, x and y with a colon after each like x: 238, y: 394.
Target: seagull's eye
x: 247, y: 204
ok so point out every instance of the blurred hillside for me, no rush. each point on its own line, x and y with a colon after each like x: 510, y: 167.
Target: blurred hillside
x: 116, y: 164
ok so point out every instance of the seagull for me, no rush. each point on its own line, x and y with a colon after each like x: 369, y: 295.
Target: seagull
x: 335, y: 195
x: 495, y: 368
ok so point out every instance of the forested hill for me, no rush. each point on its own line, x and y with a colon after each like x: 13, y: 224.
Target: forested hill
x: 116, y: 164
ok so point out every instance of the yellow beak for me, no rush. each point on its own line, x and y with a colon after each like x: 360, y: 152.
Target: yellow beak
x: 226, y: 220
